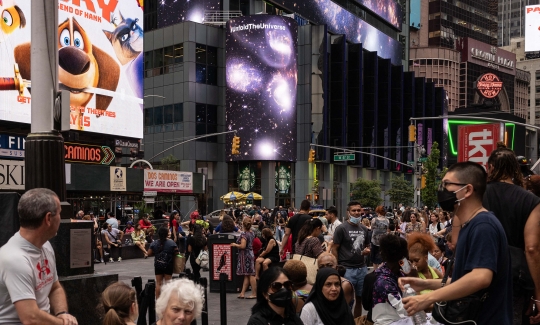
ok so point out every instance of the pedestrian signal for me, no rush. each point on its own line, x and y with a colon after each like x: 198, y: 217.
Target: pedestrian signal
x: 412, y: 133
x: 311, y: 156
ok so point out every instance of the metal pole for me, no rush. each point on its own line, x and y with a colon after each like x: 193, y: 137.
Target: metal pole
x: 204, y: 315
x: 223, y: 297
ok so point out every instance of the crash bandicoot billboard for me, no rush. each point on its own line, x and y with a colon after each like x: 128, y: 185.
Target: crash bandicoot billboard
x: 100, y: 52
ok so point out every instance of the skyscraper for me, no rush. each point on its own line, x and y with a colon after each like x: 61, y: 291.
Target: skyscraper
x: 512, y: 19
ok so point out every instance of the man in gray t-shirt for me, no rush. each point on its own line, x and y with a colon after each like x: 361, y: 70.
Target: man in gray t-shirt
x: 29, y: 286
x: 351, y: 244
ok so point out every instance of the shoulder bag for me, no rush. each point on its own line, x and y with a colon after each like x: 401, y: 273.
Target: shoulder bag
x: 461, y: 311
x: 311, y: 265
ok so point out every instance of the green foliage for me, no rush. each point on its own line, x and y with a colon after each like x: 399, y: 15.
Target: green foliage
x: 143, y: 208
x: 433, y: 177
x: 169, y: 163
x: 368, y: 193
x: 402, y: 191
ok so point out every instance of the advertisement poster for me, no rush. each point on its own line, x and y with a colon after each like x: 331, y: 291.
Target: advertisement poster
x: 100, y: 51
x: 476, y: 142
x: 118, y: 178
x: 532, y: 28
x: 222, y: 260
x: 80, y: 248
x: 261, y: 79
x: 12, y: 175
x: 166, y: 181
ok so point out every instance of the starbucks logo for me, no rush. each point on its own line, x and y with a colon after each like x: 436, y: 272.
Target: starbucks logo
x: 246, y: 179
x: 283, y: 179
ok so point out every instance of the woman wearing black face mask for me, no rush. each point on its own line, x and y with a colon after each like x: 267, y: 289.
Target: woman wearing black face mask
x: 274, y: 296
x: 326, y: 303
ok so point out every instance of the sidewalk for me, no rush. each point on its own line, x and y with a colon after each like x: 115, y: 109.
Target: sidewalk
x: 238, y: 310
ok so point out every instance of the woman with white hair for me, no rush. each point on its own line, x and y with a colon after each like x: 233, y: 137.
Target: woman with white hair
x: 181, y: 301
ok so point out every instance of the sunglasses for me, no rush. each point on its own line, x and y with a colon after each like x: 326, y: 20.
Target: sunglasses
x: 278, y: 285
x: 444, y: 184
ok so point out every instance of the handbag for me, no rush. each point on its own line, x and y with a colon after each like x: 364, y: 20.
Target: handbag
x: 461, y: 311
x: 202, y: 259
x: 311, y: 266
x: 179, y: 263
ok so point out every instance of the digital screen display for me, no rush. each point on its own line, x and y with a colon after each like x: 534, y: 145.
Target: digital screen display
x: 389, y: 10
x: 340, y: 21
x: 532, y: 28
x: 415, y: 13
x: 172, y: 12
x: 261, y: 77
x: 100, y: 50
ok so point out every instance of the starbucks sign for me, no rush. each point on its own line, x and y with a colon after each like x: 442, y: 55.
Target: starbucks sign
x: 246, y: 179
x: 283, y: 179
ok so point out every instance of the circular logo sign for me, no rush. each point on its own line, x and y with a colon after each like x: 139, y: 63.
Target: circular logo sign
x: 489, y: 85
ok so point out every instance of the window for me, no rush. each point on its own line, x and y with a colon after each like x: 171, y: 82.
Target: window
x: 165, y: 60
x: 206, y: 64
x: 164, y: 118
x: 206, y: 121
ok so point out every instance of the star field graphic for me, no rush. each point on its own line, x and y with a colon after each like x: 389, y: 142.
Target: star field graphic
x: 176, y: 11
x: 261, y: 77
x: 390, y: 10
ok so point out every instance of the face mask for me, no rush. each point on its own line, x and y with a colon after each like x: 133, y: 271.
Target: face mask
x: 354, y: 220
x: 281, y: 298
x: 447, y: 199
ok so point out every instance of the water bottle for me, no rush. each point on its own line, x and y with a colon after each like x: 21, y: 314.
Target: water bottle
x: 420, y: 317
x: 288, y: 256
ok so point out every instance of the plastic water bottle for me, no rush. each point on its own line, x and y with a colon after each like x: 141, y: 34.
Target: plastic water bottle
x: 420, y: 317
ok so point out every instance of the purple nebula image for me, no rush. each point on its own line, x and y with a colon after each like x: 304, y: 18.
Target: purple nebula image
x: 176, y: 11
x: 243, y: 77
x: 261, y: 74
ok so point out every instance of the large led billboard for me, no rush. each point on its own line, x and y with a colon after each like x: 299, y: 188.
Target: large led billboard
x: 100, y: 51
x: 341, y: 21
x: 261, y: 77
x: 532, y: 28
x: 173, y: 12
x: 389, y: 10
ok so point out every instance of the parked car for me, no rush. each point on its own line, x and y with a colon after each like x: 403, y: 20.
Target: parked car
x: 213, y: 218
x: 317, y: 213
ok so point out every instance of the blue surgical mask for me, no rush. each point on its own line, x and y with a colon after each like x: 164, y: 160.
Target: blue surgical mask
x: 355, y: 220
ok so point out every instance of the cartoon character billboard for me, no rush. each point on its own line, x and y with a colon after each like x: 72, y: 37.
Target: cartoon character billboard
x: 100, y: 52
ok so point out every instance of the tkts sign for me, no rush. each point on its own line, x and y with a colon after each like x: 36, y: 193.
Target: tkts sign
x: 476, y: 142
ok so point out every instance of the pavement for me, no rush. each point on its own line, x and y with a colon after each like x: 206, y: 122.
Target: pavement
x: 238, y: 310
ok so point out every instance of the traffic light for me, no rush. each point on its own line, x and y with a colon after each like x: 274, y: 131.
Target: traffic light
x: 423, y: 182
x: 412, y: 133
x: 235, y: 145
x: 311, y: 156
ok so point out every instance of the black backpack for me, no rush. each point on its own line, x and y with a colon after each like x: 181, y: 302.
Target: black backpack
x: 162, y: 260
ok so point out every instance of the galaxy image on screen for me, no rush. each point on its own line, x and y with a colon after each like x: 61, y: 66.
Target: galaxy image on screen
x: 261, y: 77
x: 340, y: 21
x: 390, y: 10
x: 176, y: 11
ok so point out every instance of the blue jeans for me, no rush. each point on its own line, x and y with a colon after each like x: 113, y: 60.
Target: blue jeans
x: 356, y: 277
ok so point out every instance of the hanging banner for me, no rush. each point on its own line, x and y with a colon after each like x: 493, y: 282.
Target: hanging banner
x: 476, y: 142
x: 118, y: 178
x: 167, y: 181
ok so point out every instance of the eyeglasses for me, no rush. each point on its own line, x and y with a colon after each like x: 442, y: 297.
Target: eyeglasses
x: 278, y: 285
x: 444, y: 184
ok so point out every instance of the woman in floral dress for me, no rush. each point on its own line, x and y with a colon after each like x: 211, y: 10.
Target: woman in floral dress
x: 246, y: 259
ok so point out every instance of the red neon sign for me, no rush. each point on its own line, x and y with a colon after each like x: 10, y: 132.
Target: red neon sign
x: 87, y: 153
x: 489, y: 85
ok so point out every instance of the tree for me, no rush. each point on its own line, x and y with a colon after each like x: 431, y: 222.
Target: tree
x: 169, y: 163
x: 368, y: 193
x: 402, y: 191
x: 433, y: 176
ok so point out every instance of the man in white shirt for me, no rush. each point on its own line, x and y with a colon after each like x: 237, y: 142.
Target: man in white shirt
x: 29, y: 288
x: 333, y: 221
x: 111, y: 220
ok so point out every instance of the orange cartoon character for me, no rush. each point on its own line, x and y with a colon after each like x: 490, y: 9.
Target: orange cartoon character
x: 84, y: 69
x: 12, y: 18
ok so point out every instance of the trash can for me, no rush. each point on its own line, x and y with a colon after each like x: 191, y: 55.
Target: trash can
x: 223, y: 259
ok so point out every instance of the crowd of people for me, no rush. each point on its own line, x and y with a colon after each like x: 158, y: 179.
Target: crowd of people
x: 473, y: 259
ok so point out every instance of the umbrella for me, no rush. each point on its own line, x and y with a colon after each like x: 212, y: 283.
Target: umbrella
x: 253, y: 196
x: 232, y: 196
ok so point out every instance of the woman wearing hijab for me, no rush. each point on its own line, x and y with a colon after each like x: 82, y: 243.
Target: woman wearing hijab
x: 326, y: 305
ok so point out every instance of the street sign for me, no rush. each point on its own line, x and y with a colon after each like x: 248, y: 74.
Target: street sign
x: 150, y: 193
x: 423, y: 159
x: 344, y: 157
x: 149, y: 200
x: 410, y: 162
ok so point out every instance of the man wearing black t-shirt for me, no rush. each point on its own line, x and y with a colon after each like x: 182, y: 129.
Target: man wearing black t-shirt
x: 295, y: 223
x: 519, y: 213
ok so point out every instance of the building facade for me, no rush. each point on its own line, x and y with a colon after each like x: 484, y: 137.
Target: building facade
x: 512, y: 20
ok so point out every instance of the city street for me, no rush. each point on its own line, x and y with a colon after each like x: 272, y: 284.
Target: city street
x: 238, y: 310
